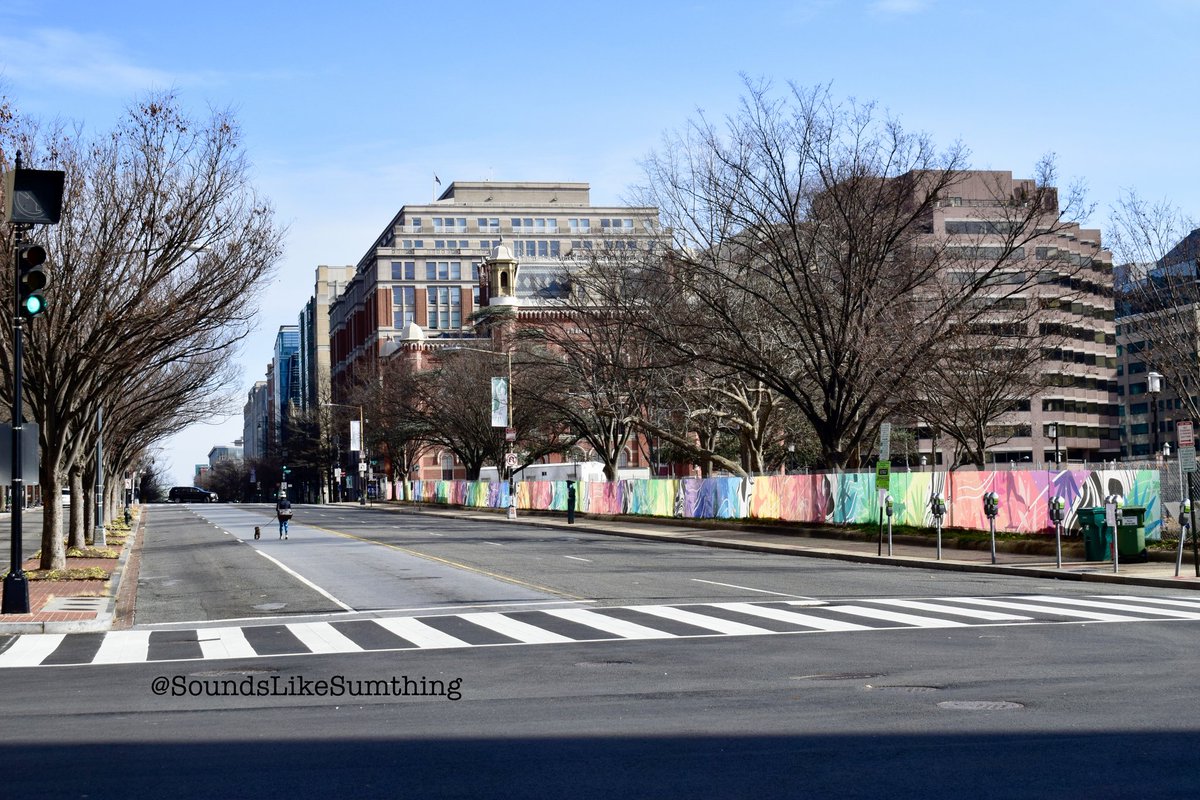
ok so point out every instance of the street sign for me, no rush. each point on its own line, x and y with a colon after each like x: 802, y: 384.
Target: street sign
x: 510, y: 460
x: 1184, y: 432
x: 885, y: 441
x: 1187, y: 459
x: 362, y: 467
x: 510, y: 434
x: 883, y: 475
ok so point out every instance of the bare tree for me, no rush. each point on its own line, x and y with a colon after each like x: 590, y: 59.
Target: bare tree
x: 1158, y: 291
x: 802, y: 249
x: 162, y: 249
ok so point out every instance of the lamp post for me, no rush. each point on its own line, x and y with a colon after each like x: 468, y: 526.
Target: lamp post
x: 362, y: 435
x: 510, y: 463
x: 1153, y: 387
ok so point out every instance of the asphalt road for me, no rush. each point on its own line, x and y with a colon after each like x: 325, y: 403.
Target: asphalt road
x: 1063, y: 710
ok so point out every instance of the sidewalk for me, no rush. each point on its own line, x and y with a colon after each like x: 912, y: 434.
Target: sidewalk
x: 76, y: 606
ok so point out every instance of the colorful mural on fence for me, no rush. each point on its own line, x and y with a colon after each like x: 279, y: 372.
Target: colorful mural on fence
x: 836, y: 497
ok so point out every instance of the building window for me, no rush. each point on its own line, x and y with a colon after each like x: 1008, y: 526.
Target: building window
x: 443, y: 270
x: 489, y: 224
x: 404, y: 303
x: 580, y: 225
x: 447, y: 462
x: 536, y: 248
x: 412, y: 244
x: 445, y: 307
x: 614, y: 224
x: 449, y: 224
x: 404, y: 270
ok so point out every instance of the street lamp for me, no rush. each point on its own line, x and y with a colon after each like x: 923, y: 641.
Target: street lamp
x: 510, y: 460
x: 362, y: 435
x: 1052, y: 432
x: 1153, y: 387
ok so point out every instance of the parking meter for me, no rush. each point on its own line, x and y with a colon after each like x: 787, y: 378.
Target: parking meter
x: 1058, y: 513
x: 991, y: 505
x: 937, y: 507
x: 991, y: 509
x: 889, y: 505
x: 1185, y: 519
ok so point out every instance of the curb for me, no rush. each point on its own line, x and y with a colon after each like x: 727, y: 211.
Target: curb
x: 1044, y: 573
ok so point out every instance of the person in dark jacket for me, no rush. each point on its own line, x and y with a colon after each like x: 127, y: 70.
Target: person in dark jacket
x: 283, y: 510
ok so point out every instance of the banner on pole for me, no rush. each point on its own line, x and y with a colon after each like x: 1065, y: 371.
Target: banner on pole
x: 355, y: 436
x: 499, y: 402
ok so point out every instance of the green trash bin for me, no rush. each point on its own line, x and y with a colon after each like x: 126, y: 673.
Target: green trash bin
x: 1097, y: 537
x: 1131, y: 533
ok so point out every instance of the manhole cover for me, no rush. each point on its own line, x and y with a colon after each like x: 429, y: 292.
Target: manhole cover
x: 979, y: 705
x: 905, y: 689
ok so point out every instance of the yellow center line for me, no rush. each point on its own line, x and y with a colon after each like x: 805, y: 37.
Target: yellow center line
x: 448, y: 562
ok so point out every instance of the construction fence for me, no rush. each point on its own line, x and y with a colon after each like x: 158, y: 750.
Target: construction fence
x: 841, y: 498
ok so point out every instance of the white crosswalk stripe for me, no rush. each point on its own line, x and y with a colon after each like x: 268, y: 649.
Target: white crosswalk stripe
x: 578, y: 625
x: 321, y: 637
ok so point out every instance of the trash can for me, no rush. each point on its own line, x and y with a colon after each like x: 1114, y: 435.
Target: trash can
x: 1097, y: 537
x: 1131, y: 533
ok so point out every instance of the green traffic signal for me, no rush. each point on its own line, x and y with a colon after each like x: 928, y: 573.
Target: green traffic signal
x: 32, y: 280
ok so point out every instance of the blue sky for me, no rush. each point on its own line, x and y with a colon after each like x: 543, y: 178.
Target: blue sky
x: 350, y: 108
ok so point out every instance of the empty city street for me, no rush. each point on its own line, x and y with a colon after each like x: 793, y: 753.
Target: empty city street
x: 402, y: 655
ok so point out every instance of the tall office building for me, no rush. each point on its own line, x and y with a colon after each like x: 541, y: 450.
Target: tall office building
x: 419, y: 281
x: 1077, y: 411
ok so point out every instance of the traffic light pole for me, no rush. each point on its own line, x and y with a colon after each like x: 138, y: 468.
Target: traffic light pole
x: 16, y: 586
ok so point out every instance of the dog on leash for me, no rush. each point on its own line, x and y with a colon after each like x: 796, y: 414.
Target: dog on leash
x: 257, y: 532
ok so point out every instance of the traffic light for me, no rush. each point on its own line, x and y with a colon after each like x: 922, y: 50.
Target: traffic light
x: 32, y: 280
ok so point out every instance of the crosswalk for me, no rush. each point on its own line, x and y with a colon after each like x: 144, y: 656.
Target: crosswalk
x: 567, y: 625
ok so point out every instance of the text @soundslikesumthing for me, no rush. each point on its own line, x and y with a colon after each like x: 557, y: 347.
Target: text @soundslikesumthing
x: 300, y: 686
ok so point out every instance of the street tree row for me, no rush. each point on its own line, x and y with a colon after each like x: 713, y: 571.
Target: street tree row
x: 157, y: 265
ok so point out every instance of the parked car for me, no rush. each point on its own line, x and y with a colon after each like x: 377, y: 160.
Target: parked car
x: 66, y: 498
x: 191, y: 494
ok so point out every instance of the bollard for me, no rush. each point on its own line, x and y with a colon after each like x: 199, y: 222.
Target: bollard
x: 887, y: 502
x: 570, y: 502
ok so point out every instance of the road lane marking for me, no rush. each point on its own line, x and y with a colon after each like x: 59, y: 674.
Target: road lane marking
x: 224, y: 643
x: 321, y: 637
x: 751, y: 589
x: 970, y: 613
x: 420, y: 634
x: 1165, y: 612
x: 304, y: 580
x: 617, y: 627
x: 1094, y: 616
x: 896, y: 616
x: 123, y: 647
x: 782, y: 615
x: 494, y: 544
x: 702, y: 621
x: 514, y: 629
x: 29, y: 651
x: 577, y: 558
x: 1163, y: 600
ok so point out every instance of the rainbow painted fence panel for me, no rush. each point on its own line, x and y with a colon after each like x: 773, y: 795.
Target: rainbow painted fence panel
x: 835, y: 497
